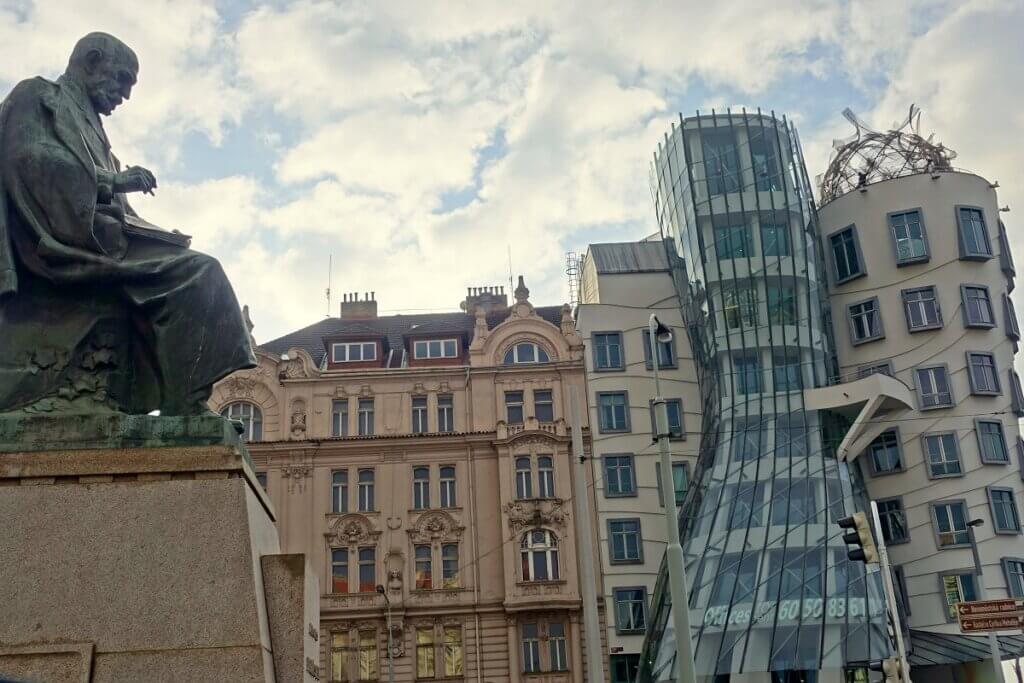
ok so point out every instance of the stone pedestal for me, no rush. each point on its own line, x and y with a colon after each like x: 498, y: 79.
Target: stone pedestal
x: 152, y: 562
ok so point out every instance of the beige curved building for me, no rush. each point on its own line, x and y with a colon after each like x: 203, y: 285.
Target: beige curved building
x: 920, y: 275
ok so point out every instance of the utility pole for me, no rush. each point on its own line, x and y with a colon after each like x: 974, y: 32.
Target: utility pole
x: 581, y: 506
x: 890, y: 593
x: 993, y: 641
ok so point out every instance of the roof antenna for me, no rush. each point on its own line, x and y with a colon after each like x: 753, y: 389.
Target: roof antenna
x: 330, y: 267
x: 509, y: 267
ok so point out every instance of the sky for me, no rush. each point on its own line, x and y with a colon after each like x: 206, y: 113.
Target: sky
x: 420, y: 146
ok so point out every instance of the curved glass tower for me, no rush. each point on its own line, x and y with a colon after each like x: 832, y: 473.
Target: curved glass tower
x: 771, y: 589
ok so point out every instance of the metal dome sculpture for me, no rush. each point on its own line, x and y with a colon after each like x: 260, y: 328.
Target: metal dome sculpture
x: 869, y: 156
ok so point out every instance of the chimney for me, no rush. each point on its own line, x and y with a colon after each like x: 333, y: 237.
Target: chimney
x: 490, y: 298
x: 354, y: 308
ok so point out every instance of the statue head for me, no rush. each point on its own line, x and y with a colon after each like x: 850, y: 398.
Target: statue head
x: 106, y: 68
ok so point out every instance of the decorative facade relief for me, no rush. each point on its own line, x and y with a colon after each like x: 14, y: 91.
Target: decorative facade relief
x: 351, y: 529
x: 298, y: 419
x: 436, y: 525
x: 542, y: 512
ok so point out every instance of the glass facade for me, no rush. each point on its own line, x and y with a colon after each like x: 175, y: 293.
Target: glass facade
x: 770, y: 587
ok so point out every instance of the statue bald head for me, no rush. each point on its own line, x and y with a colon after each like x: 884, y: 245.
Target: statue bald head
x: 106, y: 69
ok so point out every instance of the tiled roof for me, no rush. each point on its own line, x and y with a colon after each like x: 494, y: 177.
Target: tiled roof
x: 629, y: 257
x: 392, y: 328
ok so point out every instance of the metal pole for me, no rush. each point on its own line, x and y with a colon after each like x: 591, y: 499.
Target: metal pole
x: 588, y: 584
x: 993, y: 641
x: 890, y: 591
x: 391, y: 647
x: 674, y: 550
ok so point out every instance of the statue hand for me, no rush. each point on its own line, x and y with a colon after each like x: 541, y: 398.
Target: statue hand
x: 134, y: 179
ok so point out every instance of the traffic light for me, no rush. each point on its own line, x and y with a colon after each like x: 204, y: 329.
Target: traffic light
x: 859, y: 534
x: 889, y: 668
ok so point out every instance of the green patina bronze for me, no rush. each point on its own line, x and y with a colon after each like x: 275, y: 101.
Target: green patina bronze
x: 100, y: 312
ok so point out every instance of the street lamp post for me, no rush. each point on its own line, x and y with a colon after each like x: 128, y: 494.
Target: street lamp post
x: 993, y: 641
x: 674, y: 551
x: 391, y: 649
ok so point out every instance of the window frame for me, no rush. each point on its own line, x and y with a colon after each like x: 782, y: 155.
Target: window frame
x: 978, y: 421
x: 426, y: 344
x: 550, y: 402
x: 1007, y: 574
x: 685, y: 467
x: 862, y: 267
x: 367, y: 503
x: 903, y: 510
x: 601, y: 428
x: 545, y: 475
x: 965, y: 255
x: 730, y: 231
x: 965, y: 309
x: 673, y: 435
x: 628, y: 458
x: 521, y: 403
x: 340, y: 428
x: 448, y: 488
x: 1010, y: 317
x: 639, y: 541
x: 368, y: 428
x: 615, y: 601
x: 989, y: 491
x: 645, y: 336
x: 975, y: 391
x: 552, y: 561
x: 621, y: 367
x: 447, y: 425
x: 339, y: 491
x: 895, y: 242
x: 911, y: 328
x: 538, y: 349
x: 946, y: 607
x: 920, y: 396
x: 862, y: 370
x: 1016, y: 392
x: 880, y: 334
x: 933, y: 506
x: 737, y: 358
x: 872, y: 469
x: 421, y: 487
x: 927, y: 461
x: 253, y: 423
x: 346, y: 345
x: 420, y: 421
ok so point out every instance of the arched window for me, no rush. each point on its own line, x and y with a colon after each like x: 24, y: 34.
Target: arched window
x: 526, y: 352
x: 545, y: 477
x: 249, y: 415
x: 524, y: 478
x: 539, y: 552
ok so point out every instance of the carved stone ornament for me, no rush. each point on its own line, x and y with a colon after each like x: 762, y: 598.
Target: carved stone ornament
x: 352, y: 529
x: 239, y: 387
x: 527, y: 514
x: 293, y: 369
x: 298, y: 418
x: 435, y: 526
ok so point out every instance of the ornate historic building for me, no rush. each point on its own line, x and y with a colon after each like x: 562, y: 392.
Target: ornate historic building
x: 422, y: 462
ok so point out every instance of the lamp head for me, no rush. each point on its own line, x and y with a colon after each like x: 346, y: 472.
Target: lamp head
x: 661, y: 331
x: 976, y: 522
x: 380, y: 589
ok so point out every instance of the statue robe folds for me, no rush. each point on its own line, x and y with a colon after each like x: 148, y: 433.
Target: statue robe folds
x: 92, y: 318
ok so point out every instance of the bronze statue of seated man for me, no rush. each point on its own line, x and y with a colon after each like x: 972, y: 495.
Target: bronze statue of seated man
x: 99, y: 310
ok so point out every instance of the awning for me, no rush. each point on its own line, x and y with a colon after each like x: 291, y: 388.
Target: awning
x: 928, y: 648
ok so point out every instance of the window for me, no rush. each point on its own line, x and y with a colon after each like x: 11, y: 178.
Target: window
x: 747, y: 509
x: 435, y: 348
x: 1004, y: 510
x: 951, y: 524
x: 721, y: 165
x: 514, y: 407
x: 802, y: 502
x: 883, y: 368
x: 747, y: 373
x: 613, y: 412
x: 249, y: 415
x: 624, y: 542
x: 933, y: 387
x: 885, y: 453
x: 425, y: 652
x: 921, y: 308
x: 957, y: 588
x: 782, y: 308
x: 680, y: 480
x: 556, y: 646
x: 739, y: 307
x: 974, y: 243
x: 339, y: 418
x: 943, y: 454
x: 624, y: 667
x: 846, y: 257
x: 450, y: 565
x: 893, y: 520
x: 368, y: 655
x: 445, y: 413
x: 991, y: 441
x: 674, y: 408
x: 791, y: 439
x: 366, y: 491
x: 545, y: 477
x: 1013, y: 568
x: 736, y: 580
x: 733, y: 242
x: 764, y: 159
x: 419, y: 414
x: 749, y: 434
x: 775, y: 239
x: 526, y: 352
x: 977, y: 306
x: 448, y: 499
x: 666, y: 351
x: 452, y: 651
x: 910, y: 237
x: 351, y: 352
x: 423, y: 567
x: 339, y: 491
x: 524, y: 478
x: 1010, y: 314
x: 365, y: 416
x: 786, y: 371
x: 982, y: 373
x: 367, y: 570
x: 421, y: 488
x: 608, y: 351
x: 865, y: 321
x: 341, y: 658
x: 539, y: 553
x: 339, y: 570
x: 543, y: 406
x: 618, y: 476
x: 1016, y: 395
x: 531, y: 648
x: 1005, y: 254
x: 630, y: 610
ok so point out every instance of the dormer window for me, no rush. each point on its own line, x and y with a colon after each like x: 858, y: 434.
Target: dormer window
x: 351, y: 352
x: 526, y: 352
x: 435, y: 348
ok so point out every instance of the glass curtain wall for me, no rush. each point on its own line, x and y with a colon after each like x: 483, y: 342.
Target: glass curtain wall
x: 770, y: 586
